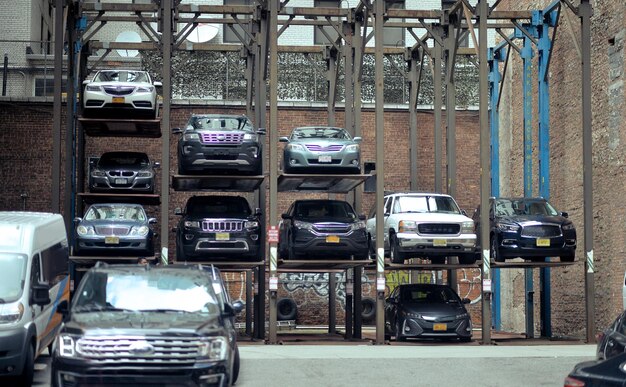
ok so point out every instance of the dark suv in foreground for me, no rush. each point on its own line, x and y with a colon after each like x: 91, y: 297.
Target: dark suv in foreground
x: 322, y: 229
x: 219, y: 143
x: 145, y: 325
x: 529, y: 228
x: 218, y: 228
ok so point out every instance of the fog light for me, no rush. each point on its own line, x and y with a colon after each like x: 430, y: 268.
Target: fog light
x: 68, y: 378
x: 355, y: 162
x: 10, y: 368
x: 210, y: 379
x: 189, y: 236
x: 187, y: 149
x: 293, y: 162
x: 254, y: 237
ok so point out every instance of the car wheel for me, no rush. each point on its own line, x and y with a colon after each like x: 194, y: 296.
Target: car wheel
x: 495, y: 251
x: 567, y: 258
x: 372, y: 248
x: 368, y: 310
x: 236, y: 365
x: 395, y: 255
x: 26, y: 378
x: 466, y: 339
x: 467, y: 259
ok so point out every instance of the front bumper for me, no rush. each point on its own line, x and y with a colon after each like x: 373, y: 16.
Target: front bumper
x: 127, y: 245
x: 434, y: 246
x: 307, y: 243
x: 243, y: 158
x: 12, y: 350
x: 136, y: 100
x: 416, y: 327
x: 513, y: 245
x: 238, y: 245
x: 73, y: 373
x: 306, y: 160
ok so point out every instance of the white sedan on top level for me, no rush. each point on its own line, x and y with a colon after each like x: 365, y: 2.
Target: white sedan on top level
x: 129, y: 90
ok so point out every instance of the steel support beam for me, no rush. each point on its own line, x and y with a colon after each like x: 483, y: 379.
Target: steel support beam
x: 57, y: 110
x: 413, y: 135
x: 438, y: 103
x: 166, y: 72
x: 332, y: 303
x: 70, y: 122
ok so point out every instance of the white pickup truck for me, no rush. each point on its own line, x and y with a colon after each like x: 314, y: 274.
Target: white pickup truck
x: 425, y: 225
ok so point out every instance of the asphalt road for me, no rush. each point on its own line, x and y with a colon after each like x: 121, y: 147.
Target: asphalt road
x: 397, y: 365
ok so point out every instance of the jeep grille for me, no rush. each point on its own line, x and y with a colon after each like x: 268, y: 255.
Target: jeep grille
x: 439, y: 228
x: 222, y: 225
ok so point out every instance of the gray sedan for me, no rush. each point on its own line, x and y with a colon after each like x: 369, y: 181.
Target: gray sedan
x: 321, y: 149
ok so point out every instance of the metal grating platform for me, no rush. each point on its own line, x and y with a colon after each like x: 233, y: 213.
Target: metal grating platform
x: 111, y: 127
x: 217, y: 183
x: 144, y: 199
x: 319, y: 183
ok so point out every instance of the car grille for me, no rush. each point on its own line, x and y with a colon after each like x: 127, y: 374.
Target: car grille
x: 331, y: 228
x: 221, y: 138
x: 121, y: 173
x: 119, y: 90
x: 112, y: 230
x: 222, y: 225
x: 439, y: 228
x: 327, y: 148
x: 148, y: 350
x: 541, y: 230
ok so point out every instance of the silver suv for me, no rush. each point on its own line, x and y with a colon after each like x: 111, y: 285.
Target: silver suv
x: 425, y: 225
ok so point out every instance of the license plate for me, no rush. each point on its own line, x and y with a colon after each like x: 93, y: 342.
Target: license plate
x: 112, y: 240
x: 440, y: 327
x: 543, y: 242
x: 118, y: 99
x: 222, y: 236
x: 120, y: 181
x: 325, y: 159
x: 332, y: 239
x: 440, y: 242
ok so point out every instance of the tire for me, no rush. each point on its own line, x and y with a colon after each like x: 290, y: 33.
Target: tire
x: 467, y: 259
x: 567, y: 258
x: 28, y: 372
x: 286, y: 309
x: 495, y: 252
x: 236, y: 366
x: 368, y: 310
x: 395, y: 255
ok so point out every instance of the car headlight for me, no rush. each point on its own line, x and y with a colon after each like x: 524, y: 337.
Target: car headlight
x: 145, y: 89
x: 251, y: 137
x: 507, y: 227
x: 97, y: 173
x: 12, y: 315
x: 467, y: 227
x: 141, y: 230
x: 215, y: 348
x: 85, y: 230
x: 462, y: 315
x: 191, y: 137
x: 192, y: 224
x: 568, y: 226
x: 294, y: 147
x: 413, y: 315
x: 67, y: 346
x: 352, y: 148
x: 303, y: 225
x: 360, y: 225
x: 144, y: 174
x: 93, y: 88
x: 251, y: 224
x: 407, y: 225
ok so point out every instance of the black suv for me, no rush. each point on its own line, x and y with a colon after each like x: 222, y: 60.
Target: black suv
x: 322, y: 229
x: 219, y: 143
x: 218, y: 227
x: 145, y: 325
x: 122, y: 172
x: 529, y: 228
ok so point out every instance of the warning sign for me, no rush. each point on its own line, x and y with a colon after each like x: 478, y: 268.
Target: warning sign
x: 272, y: 234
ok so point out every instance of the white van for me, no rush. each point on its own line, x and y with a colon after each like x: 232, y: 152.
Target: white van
x: 34, y: 278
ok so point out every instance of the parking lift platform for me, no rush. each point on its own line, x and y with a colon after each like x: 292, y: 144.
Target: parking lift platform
x: 319, y: 183
x: 225, y: 265
x: 144, y: 199
x: 324, y: 265
x: 217, y: 183
x: 121, y: 127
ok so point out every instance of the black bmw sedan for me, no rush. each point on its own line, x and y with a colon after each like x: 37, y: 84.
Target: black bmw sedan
x: 426, y: 311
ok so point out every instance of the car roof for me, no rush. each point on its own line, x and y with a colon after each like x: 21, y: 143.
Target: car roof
x: 416, y: 194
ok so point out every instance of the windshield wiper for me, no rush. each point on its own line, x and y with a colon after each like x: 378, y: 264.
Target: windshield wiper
x: 166, y: 310
x: 101, y: 308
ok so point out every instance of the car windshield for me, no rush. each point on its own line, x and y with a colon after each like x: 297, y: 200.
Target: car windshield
x: 221, y: 123
x: 325, y: 210
x: 218, y: 207
x: 116, y: 212
x: 159, y: 290
x: 438, y: 295
x: 513, y: 207
x: 124, y: 159
x: 321, y: 132
x: 121, y: 76
x: 438, y: 204
x: 12, y: 275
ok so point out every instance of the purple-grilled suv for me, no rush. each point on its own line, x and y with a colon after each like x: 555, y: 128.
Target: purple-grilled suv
x: 219, y: 144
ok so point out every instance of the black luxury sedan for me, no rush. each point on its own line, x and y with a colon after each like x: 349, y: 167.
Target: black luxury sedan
x: 612, y: 341
x: 528, y: 228
x: 123, y: 172
x: 605, y: 373
x: 426, y: 311
x: 325, y: 229
x: 145, y: 325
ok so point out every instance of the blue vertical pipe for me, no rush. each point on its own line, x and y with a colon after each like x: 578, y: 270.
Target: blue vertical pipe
x: 544, y: 46
x: 527, y: 55
x: 494, y: 123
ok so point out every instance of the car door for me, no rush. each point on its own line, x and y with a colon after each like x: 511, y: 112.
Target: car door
x: 616, y: 339
x: 386, y: 222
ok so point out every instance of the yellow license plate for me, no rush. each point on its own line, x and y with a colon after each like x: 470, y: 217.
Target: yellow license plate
x: 440, y: 327
x: 222, y: 236
x: 112, y: 240
x: 118, y: 99
x: 332, y: 239
x: 440, y: 242
x: 542, y: 242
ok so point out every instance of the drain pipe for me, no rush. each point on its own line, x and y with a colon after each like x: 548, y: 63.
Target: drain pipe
x: 5, y: 73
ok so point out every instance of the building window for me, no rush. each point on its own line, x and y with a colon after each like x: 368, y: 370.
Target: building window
x: 44, y: 87
x: 394, y: 36
x: 229, y: 35
x: 318, y: 36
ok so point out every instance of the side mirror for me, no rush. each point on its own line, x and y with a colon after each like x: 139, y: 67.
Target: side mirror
x: 261, y: 131
x: 463, y: 212
x: 77, y: 219
x: 157, y: 84
x: 285, y: 216
x: 564, y: 214
x: 466, y: 301
x: 229, y: 310
x: 386, y: 214
x: 357, y: 139
x: 283, y: 139
x: 257, y: 212
x: 177, y: 130
x: 238, y: 306
x: 39, y: 294
x: 362, y: 217
x: 152, y: 220
x: 178, y: 211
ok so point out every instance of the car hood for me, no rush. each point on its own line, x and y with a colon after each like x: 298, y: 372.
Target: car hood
x: 433, y: 217
x: 321, y: 142
x: 129, y: 322
x: 114, y: 222
x: 329, y: 221
x: 129, y: 167
x: 522, y: 219
x: 434, y: 310
x: 121, y: 84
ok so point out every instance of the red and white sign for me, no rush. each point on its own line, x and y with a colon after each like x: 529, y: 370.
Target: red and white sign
x: 272, y: 234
